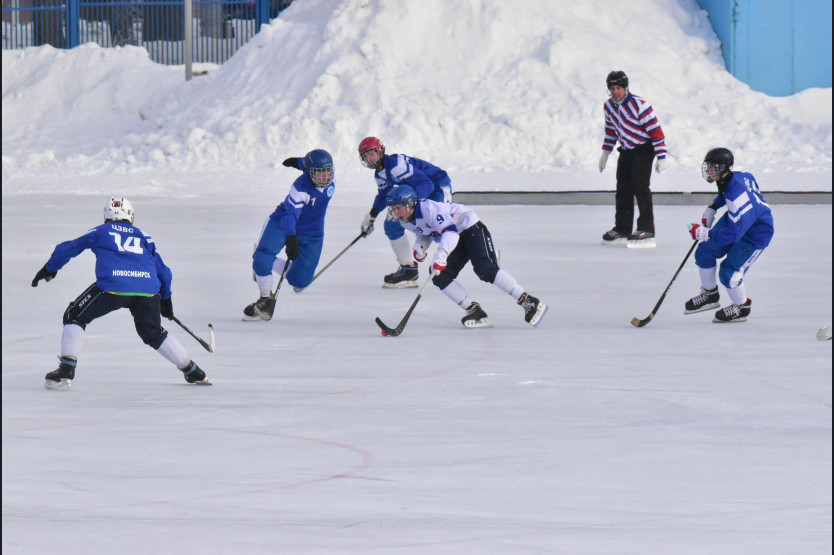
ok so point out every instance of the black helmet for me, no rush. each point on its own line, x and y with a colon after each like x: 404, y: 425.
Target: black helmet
x: 717, y: 162
x: 617, y: 78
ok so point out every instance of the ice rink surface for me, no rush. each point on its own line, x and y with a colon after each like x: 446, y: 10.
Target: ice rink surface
x: 583, y: 436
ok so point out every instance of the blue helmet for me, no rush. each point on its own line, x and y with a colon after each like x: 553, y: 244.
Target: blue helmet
x: 402, y: 195
x: 318, y: 164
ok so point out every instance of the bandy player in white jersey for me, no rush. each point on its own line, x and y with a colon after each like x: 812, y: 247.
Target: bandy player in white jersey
x: 461, y: 237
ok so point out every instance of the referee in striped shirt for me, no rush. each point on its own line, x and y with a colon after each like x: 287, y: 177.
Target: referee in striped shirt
x: 631, y: 121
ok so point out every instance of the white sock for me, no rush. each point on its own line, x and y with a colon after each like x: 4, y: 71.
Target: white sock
x: 174, y: 352
x: 456, y: 292
x: 264, y: 284
x: 71, y: 340
x: 709, y: 278
x: 402, y: 250
x: 738, y: 294
x: 507, y: 283
x: 278, y: 265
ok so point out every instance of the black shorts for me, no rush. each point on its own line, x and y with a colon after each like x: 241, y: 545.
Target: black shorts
x: 475, y: 245
x: 94, y: 303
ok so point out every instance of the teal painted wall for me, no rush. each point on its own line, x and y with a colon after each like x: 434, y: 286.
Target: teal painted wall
x: 778, y: 47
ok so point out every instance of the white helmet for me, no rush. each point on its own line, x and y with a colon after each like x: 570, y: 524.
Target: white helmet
x: 118, y: 208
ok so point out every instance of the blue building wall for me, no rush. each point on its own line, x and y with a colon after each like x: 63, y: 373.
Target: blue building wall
x: 778, y: 47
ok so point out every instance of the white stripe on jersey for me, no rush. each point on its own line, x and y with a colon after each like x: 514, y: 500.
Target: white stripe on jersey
x: 402, y: 169
x: 734, y: 205
x: 298, y: 198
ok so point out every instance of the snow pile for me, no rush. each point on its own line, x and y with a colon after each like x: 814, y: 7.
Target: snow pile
x: 476, y: 87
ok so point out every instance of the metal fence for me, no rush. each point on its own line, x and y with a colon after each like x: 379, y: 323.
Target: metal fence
x: 219, y: 27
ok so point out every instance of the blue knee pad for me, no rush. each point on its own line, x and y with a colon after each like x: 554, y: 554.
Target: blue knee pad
x: 269, y: 245
x: 262, y: 262
x: 393, y: 230
x: 741, y: 256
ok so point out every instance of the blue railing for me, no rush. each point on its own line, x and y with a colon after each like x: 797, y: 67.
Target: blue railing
x: 219, y: 27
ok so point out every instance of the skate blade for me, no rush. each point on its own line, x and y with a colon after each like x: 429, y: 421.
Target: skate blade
x: 733, y: 321
x: 63, y: 385
x: 482, y: 323
x: 615, y: 243
x: 254, y: 318
x: 204, y: 381
x: 540, y: 312
x: 703, y: 308
x: 400, y: 285
x: 642, y: 244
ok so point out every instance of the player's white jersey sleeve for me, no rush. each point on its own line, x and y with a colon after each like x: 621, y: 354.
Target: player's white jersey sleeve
x: 442, y: 221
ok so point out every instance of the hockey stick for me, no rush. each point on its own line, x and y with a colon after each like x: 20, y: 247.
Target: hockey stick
x: 824, y: 334
x: 207, y: 346
x: 320, y: 272
x: 401, y: 326
x: 274, y: 294
x: 640, y: 323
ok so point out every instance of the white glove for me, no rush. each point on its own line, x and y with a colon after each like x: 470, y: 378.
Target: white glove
x: 419, y: 252
x: 708, y: 217
x: 603, y: 160
x: 661, y: 165
x: 367, y: 225
x: 699, y: 232
x: 439, y: 261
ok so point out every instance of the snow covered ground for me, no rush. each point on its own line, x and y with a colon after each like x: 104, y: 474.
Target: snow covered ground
x: 583, y: 436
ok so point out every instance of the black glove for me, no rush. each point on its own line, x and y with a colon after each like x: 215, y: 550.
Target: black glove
x: 166, y: 308
x: 291, y: 162
x: 43, y: 273
x: 292, y: 247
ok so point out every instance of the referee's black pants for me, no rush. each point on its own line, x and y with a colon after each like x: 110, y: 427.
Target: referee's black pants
x: 634, y: 172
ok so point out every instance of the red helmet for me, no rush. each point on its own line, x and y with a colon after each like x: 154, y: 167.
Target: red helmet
x: 368, y: 145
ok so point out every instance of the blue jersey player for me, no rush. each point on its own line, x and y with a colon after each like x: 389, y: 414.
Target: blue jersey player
x: 739, y: 237
x: 392, y: 170
x: 297, y: 227
x: 130, y: 274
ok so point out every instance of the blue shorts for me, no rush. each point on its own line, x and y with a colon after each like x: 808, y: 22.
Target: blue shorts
x: 739, y: 257
x: 271, y: 243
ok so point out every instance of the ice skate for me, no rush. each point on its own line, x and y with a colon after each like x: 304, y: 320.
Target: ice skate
x: 262, y: 309
x: 641, y: 240
x: 614, y: 238
x: 734, y: 313
x: 534, y: 309
x: 405, y: 276
x: 61, y: 378
x: 707, y: 299
x: 194, y: 374
x: 475, y: 317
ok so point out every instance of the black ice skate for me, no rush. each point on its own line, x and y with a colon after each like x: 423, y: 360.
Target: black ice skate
x: 734, y: 312
x: 475, y: 317
x: 641, y: 240
x: 534, y: 309
x: 61, y: 378
x: 405, y: 276
x: 614, y: 238
x: 707, y: 299
x: 262, y: 309
x: 194, y: 374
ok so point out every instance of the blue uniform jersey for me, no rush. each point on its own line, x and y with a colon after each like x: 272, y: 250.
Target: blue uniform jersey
x: 427, y: 180
x: 747, y: 213
x: 126, y: 260
x: 303, y: 211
